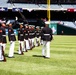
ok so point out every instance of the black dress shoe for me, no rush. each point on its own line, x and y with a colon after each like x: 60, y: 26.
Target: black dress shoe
x: 44, y: 56
x: 1, y: 60
x: 47, y: 57
x: 26, y: 51
x: 11, y: 57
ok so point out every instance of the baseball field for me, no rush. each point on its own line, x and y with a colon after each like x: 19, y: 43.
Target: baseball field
x: 61, y: 62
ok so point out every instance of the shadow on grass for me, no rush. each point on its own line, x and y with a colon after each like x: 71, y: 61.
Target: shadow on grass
x: 16, y: 53
x: 37, y: 56
x: 6, y: 55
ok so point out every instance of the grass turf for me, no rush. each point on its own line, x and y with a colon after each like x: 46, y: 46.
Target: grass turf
x: 62, y: 61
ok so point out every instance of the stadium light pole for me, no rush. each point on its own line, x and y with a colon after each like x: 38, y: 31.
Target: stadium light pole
x: 48, y: 10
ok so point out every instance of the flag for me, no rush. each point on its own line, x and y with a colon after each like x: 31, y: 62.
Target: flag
x: 3, y: 9
x: 70, y: 9
x: 17, y: 9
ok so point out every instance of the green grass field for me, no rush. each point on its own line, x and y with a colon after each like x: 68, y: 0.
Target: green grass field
x: 62, y: 61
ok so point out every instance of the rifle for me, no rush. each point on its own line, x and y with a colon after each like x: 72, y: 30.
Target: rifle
x: 33, y: 45
x: 30, y: 44
x: 23, y: 17
x: 25, y: 46
x: 37, y: 42
x: 40, y: 41
x: 21, y: 50
x: 3, y: 55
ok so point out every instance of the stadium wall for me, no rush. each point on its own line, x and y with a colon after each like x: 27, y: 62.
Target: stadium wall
x: 62, y: 30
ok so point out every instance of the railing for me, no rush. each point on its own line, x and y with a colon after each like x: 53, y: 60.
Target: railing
x: 44, y: 1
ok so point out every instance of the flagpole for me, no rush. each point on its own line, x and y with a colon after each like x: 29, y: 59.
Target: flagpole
x: 48, y: 10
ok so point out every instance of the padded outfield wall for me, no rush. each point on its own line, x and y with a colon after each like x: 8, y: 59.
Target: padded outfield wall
x: 62, y: 30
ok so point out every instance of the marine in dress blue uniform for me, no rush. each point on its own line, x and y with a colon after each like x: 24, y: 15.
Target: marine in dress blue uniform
x: 37, y: 35
x: 1, y: 39
x: 21, y: 39
x: 12, y: 39
x: 30, y: 37
x: 26, y: 37
x: 33, y: 35
x: 2, y: 43
x: 41, y: 37
x: 47, y: 37
x: 3, y: 27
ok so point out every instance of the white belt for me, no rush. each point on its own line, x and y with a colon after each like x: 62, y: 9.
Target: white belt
x: 3, y: 35
x: 26, y: 34
x: 12, y: 34
x: 37, y: 33
x: 21, y: 34
x: 31, y: 33
x: 46, y: 34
